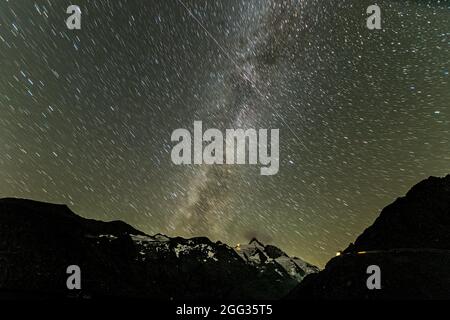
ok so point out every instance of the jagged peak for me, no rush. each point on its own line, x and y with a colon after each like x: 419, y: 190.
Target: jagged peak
x: 255, y: 241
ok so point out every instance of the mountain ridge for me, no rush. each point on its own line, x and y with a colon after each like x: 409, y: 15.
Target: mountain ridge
x: 39, y: 240
x: 409, y: 241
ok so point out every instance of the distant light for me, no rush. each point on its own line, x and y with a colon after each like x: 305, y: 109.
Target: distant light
x: 362, y: 252
x: 338, y: 254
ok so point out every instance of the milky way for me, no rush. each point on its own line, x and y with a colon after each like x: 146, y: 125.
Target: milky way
x: 87, y: 115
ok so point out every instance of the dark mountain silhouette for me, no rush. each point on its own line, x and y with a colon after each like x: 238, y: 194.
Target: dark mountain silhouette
x: 409, y: 241
x: 38, y: 241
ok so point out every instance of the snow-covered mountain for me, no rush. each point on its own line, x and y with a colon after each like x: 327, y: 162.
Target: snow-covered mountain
x: 265, y: 256
x: 38, y: 241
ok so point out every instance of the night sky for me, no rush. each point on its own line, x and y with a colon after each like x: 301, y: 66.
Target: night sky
x: 86, y: 115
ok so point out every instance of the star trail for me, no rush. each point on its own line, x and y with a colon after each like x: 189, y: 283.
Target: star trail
x: 87, y: 115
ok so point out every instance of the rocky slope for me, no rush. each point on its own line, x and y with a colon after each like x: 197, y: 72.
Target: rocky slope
x: 270, y: 257
x: 409, y: 241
